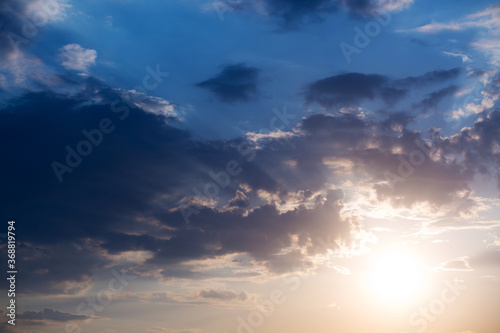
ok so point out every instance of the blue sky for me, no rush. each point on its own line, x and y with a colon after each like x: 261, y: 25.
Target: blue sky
x: 198, y: 166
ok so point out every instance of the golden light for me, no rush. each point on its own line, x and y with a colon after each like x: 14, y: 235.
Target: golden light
x: 396, y: 277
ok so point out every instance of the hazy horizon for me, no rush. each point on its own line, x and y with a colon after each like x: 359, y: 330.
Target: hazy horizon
x: 250, y: 166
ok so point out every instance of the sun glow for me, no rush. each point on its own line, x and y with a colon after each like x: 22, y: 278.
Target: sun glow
x: 396, y: 277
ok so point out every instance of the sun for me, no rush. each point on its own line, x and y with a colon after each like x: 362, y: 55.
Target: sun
x: 396, y: 277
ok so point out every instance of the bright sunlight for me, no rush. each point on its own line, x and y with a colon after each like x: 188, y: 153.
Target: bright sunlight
x: 396, y: 277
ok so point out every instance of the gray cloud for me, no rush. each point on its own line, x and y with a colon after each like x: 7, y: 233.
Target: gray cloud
x: 51, y: 314
x: 123, y: 197
x: 223, y: 295
x: 234, y: 83
x: 351, y: 89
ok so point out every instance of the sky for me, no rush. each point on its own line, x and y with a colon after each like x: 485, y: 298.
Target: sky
x: 239, y: 166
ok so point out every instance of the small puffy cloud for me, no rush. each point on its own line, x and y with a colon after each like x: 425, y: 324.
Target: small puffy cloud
x: 234, y: 83
x: 77, y: 58
x: 459, y: 264
x: 223, y: 295
x: 172, y: 330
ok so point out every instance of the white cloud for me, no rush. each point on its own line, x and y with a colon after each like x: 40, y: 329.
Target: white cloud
x: 77, y: 58
x: 464, y: 57
x: 458, y: 264
x: 152, y: 104
x: 489, y: 19
x: 42, y: 12
x: 394, y: 5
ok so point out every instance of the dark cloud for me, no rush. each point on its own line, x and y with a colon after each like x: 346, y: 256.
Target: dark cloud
x: 423, y: 43
x: 234, y: 233
x: 431, y: 77
x: 240, y: 200
x: 126, y: 195
x: 294, y: 12
x: 235, y: 83
x: 351, y: 89
x: 50, y: 314
x: 64, y: 268
x: 431, y: 101
x: 364, y: 7
x: 479, y: 145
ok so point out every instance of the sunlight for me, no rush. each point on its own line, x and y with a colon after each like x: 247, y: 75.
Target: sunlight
x: 396, y: 277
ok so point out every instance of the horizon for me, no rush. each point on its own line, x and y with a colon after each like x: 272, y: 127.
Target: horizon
x: 239, y: 166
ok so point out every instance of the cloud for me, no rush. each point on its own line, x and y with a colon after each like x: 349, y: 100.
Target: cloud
x: 152, y: 104
x: 479, y: 144
x: 16, y: 27
x: 459, y: 264
x: 37, y: 317
x: 77, y: 58
x: 375, y: 7
x: 351, y: 89
x: 432, y: 99
x: 289, y: 194
x: 291, y: 14
x: 172, y: 330
x: 488, y: 18
x: 20, y: 68
x: 234, y: 83
x: 464, y: 57
x: 223, y: 295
